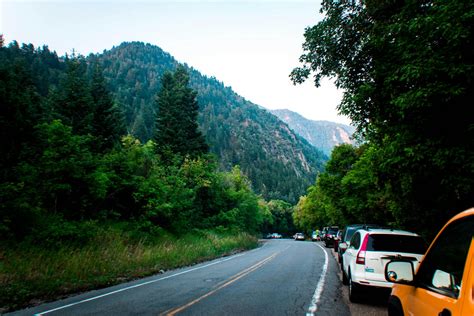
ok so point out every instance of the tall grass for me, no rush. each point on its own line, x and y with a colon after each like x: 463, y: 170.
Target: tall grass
x: 29, y: 274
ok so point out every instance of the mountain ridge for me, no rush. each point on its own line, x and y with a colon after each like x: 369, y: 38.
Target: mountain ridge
x: 324, y: 135
x: 279, y: 163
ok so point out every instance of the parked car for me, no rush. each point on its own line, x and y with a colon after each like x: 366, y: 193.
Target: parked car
x: 330, y: 235
x: 299, y: 236
x: 273, y: 236
x: 337, y: 239
x: 370, y: 250
x: 444, y: 281
x: 347, y: 234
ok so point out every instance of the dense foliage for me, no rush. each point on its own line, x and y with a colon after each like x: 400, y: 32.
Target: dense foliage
x: 347, y: 192
x: 279, y: 218
x: 407, y: 71
x: 176, y: 127
x: 67, y: 163
x: 279, y: 163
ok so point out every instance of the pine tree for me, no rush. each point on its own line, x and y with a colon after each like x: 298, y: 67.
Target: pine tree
x: 176, y: 128
x: 195, y: 141
x: 108, y: 122
x: 19, y: 110
x: 72, y: 102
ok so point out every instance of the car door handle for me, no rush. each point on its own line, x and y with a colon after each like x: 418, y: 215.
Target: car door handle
x: 445, y: 312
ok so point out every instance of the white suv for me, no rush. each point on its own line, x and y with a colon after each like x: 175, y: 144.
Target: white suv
x: 370, y: 250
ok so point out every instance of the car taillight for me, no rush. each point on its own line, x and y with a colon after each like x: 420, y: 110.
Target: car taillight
x: 361, y: 255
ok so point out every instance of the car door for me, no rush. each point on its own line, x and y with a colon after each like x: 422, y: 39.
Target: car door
x: 443, y: 276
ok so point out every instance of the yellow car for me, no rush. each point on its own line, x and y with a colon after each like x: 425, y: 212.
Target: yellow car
x: 444, y: 282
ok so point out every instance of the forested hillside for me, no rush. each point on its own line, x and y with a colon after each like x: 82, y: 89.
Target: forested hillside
x: 279, y: 163
x: 323, y: 135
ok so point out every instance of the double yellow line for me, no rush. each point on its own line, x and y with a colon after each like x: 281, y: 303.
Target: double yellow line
x: 226, y: 283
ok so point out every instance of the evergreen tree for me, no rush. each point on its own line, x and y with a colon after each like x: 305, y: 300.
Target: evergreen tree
x: 72, y: 102
x: 108, y: 123
x: 19, y: 107
x: 176, y: 123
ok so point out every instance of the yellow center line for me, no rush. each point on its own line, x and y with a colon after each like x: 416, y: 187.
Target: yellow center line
x: 231, y: 280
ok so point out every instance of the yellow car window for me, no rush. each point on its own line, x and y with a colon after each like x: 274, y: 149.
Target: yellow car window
x: 442, y: 269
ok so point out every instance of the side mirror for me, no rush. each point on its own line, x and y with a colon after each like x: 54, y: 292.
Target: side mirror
x: 399, y: 272
x: 343, y: 246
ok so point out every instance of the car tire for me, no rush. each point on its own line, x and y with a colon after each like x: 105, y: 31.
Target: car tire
x: 345, y: 280
x: 354, y: 290
x: 394, y: 307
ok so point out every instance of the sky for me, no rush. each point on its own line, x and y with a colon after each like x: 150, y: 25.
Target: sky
x: 250, y: 45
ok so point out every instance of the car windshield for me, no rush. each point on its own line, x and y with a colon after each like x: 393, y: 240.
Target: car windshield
x: 396, y: 243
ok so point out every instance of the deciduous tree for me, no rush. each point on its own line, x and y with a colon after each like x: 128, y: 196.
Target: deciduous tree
x: 407, y: 71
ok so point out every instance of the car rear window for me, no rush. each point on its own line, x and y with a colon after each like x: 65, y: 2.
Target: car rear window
x: 396, y: 243
x: 332, y: 231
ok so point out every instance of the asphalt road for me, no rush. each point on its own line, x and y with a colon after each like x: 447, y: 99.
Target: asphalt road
x: 283, y: 277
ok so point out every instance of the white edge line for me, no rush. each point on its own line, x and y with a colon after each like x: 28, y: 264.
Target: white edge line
x: 319, y: 287
x: 137, y: 285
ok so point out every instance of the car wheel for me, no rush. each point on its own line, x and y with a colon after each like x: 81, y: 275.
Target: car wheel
x: 353, y: 290
x: 394, y: 307
x: 345, y: 280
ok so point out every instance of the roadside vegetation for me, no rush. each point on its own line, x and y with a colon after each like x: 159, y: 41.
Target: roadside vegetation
x: 112, y: 254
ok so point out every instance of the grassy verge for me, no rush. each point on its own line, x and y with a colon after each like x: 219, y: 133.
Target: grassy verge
x: 29, y: 275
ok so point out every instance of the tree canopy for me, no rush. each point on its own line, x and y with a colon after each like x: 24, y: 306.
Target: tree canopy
x: 176, y: 127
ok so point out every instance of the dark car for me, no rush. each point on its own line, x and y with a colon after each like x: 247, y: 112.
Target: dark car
x: 337, y: 240
x: 330, y: 235
x: 346, y: 236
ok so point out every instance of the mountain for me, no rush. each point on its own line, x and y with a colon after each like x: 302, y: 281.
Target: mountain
x: 279, y: 163
x: 323, y: 135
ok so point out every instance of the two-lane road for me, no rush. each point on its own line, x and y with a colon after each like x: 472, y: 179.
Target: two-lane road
x: 283, y: 277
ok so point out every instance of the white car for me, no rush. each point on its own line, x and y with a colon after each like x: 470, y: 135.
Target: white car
x: 298, y: 236
x: 370, y: 250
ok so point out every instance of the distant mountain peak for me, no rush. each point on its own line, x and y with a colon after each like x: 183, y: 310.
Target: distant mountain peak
x: 324, y: 135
